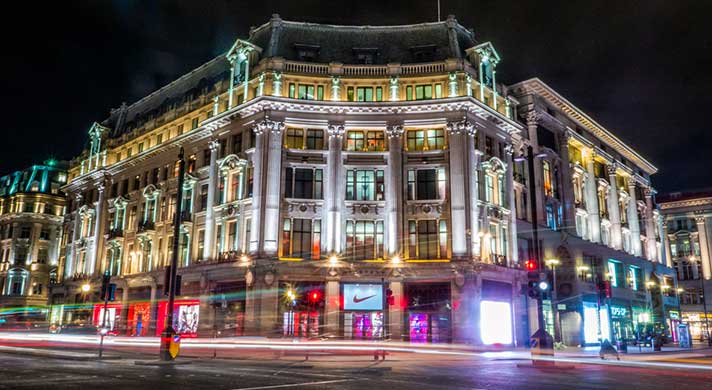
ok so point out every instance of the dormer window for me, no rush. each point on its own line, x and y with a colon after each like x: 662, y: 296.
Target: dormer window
x: 424, y: 53
x: 307, y: 53
x: 365, y: 55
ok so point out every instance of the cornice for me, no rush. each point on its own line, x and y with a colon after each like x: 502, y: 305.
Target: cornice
x: 686, y: 203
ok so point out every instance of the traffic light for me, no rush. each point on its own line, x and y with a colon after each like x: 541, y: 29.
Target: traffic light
x: 533, y: 280
x: 530, y: 265
x: 390, y: 299
x: 314, y: 296
x: 105, y: 282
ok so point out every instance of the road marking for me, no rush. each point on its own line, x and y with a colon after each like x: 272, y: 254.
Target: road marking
x: 296, y: 384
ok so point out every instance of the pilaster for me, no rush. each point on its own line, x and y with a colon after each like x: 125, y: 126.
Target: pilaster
x: 209, y: 245
x: 458, y: 216
x: 591, y: 188
x: 614, y: 208
x: 273, y: 175
x: 332, y: 199
x: 633, y: 222
x: 394, y: 184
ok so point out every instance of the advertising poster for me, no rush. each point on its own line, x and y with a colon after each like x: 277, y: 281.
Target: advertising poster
x: 186, y: 316
x: 112, y: 317
x: 363, y: 297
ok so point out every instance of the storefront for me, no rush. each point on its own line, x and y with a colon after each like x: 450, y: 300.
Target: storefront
x: 622, y: 323
x: 596, y: 324
x: 139, y: 319
x: 496, y: 325
x: 363, y: 315
x: 186, y: 316
x: 673, y: 321
x: 697, y: 324
x: 429, y: 312
x: 301, y: 308
x: 113, y: 317
x: 229, y: 306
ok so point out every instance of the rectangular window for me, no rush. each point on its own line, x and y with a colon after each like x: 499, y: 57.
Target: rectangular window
x: 320, y: 92
x: 548, y: 188
x: 294, y: 138
x: 303, y: 183
x: 438, y: 91
x: 364, y: 240
x: 431, y: 139
x: 355, y: 141
x: 362, y: 184
x: 375, y: 141
x: 194, y: 123
x: 364, y: 94
x: 159, y: 139
x: 300, y: 238
x: 140, y: 147
x: 42, y: 255
x: 426, y: 184
x: 428, y: 239
x: 350, y: 94
x: 237, y: 143
x: 423, y: 92
x: 292, y: 90
x: 315, y: 139
x: 306, y: 92
x: 203, y: 197
x: 409, y: 92
x: 379, y: 94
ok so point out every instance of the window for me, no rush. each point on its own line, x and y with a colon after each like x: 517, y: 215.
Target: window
x: 140, y: 147
x: 423, y: 92
x: 364, y: 94
x: 364, y: 240
x: 427, y: 239
x: 379, y: 94
x: 44, y: 234
x: 375, y: 141
x: 372, y: 141
x: 159, y: 139
x: 431, y: 139
x: 237, y: 143
x: 303, y: 183
x: 25, y: 232
x: 426, y: 184
x: 615, y: 273
x: 301, y: 238
x: 548, y: 187
x: 320, y: 92
x: 635, y: 280
x: 306, y: 92
x: 36, y: 288
x: 42, y: 255
x: 294, y: 138
x: 315, y: 139
x: 194, y: 123
x: 350, y: 94
x: 203, y: 197
x: 201, y: 244
x: 355, y: 141
x: 292, y: 90
x: 363, y: 184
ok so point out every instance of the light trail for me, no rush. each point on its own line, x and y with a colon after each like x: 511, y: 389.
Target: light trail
x: 255, y: 343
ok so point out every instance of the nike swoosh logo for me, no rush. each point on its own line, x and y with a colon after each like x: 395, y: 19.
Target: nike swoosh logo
x: 357, y: 300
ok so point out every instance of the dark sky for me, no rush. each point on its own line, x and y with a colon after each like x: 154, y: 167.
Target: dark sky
x: 643, y: 69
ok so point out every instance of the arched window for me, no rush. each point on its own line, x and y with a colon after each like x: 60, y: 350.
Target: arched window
x: 16, y: 281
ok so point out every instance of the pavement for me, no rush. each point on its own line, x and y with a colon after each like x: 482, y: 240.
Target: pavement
x: 66, y: 363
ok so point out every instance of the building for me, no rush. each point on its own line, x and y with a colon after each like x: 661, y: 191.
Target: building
x: 335, y: 186
x: 598, y: 223
x: 687, y: 228
x: 31, y: 218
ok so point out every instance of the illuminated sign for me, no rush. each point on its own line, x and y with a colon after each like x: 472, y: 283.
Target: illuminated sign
x: 619, y: 311
x: 186, y: 314
x: 363, y: 297
x: 495, y: 322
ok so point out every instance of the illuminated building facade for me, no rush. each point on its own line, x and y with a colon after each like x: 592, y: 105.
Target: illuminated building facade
x: 598, y: 221
x: 688, y: 218
x: 346, y: 181
x: 31, y: 220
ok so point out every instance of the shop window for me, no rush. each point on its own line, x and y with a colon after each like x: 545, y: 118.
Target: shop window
x: 426, y: 184
x: 364, y: 240
x: 365, y: 184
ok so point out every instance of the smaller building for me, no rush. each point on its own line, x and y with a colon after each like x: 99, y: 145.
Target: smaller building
x: 31, y: 215
x: 688, y: 222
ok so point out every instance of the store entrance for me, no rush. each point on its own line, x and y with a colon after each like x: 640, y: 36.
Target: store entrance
x: 430, y: 328
x: 363, y: 325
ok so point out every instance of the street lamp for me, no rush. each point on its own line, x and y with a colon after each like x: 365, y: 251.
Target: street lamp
x: 333, y: 260
x: 694, y: 260
x: 86, y: 287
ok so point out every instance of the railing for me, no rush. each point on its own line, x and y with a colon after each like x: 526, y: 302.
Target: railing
x: 432, y: 67
x: 116, y: 233
x: 306, y: 68
x: 365, y: 70
x: 146, y: 226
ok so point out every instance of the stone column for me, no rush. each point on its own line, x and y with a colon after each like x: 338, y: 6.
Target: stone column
x: 98, y: 224
x: 473, y: 166
x: 34, y: 248
x: 566, y: 186
x: 209, y: 247
x: 252, y: 304
x: 650, y: 225
x: 614, y: 209
x: 395, y: 312
x: 532, y: 122
x: 273, y: 195
x: 663, y: 258
x: 394, y: 189
x: 332, y: 193
x: 633, y: 223
x: 513, y: 253
x: 332, y: 298
x: 70, y: 261
x: 457, y: 187
x: 591, y: 189
x: 257, y: 199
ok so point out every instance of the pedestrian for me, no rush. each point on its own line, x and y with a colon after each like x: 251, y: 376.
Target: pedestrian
x: 608, y: 349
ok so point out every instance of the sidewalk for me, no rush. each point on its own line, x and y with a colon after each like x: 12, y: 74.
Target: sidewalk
x: 642, y: 353
x: 54, y: 354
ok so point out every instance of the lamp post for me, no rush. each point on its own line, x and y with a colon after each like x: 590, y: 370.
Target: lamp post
x: 693, y: 259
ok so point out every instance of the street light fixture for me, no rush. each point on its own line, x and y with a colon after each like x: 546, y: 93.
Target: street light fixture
x: 333, y: 260
x: 86, y: 287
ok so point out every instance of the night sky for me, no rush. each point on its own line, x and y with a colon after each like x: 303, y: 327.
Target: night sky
x: 640, y: 68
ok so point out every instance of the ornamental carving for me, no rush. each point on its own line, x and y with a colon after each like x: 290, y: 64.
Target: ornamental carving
x: 273, y: 127
x: 213, y: 145
x: 611, y: 169
x: 394, y: 131
x: 460, y: 127
x: 335, y: 130
x: 533, y: 118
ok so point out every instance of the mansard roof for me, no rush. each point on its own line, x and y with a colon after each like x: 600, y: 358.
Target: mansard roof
x: 336, y: 43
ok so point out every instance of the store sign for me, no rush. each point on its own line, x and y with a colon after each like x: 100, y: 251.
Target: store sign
x: 674, y: 315
x: 363, y: 297
x: 619, y: 311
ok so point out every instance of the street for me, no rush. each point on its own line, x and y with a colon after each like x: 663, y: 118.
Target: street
x: 259, y: 369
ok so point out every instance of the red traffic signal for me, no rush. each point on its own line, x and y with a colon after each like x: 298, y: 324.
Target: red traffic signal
x: 315, y: 296
x: 530, y: 265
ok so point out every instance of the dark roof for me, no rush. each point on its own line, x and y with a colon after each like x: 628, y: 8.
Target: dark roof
x: 279, y: 38
x: 205, y: 76
x: 683, y: 195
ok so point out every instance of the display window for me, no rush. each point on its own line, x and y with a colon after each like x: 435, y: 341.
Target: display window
x: 186, y: 317
x: 300, y: 324
x: 363, y: 325
x: 496, y: 322
x: 113, y: 317
x: 139, y: 319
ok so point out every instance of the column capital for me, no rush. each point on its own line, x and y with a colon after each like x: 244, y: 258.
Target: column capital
x: 394, y: 131
x: 509, y: 150
x: 335, y: 130
x: 266, y: 124
x: 214, y: 145
x: 101, y: 187
x: 700, y: 219
x: 611, y: 169
x: 533, y: 118
x: 459, y: 127
x: 78, y: 197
